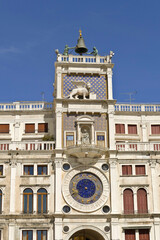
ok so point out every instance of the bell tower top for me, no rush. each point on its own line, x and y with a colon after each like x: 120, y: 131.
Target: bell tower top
x: 83, y: 75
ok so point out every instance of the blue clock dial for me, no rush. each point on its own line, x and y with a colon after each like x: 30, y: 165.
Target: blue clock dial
x: 86, y: 188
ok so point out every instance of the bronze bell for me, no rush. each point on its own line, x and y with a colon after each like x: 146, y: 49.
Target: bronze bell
x: 80, y: 47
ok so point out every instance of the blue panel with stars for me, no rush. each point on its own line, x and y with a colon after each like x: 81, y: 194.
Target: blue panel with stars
x: 98, y: 84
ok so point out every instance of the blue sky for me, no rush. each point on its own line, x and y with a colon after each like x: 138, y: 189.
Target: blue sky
x: 31, y: 30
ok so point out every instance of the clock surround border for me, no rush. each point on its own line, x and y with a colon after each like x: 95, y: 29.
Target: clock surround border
x: 82, y: 207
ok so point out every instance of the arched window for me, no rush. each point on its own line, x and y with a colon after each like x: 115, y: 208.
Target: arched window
x: 28, y: 200
x: 42, y: 200
x: 128, y: 201
x: 0, y: 201
x: 142, y: 201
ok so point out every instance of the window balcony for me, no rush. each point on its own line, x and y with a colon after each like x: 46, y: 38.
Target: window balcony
x: 140, y: 211
x: 137, y: 146
x: 28, y: 146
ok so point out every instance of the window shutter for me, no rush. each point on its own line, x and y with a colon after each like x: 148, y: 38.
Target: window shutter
x: 143, y: 234
x: 140, y: 170
x: 4, y: 128
x: 132, y: 129
x: 127, y: 170
x: 155, y: 129
x: 130, y: 234
x: 128, y: 201
x: 42, y: 127
x: 142, y: 201
x: 120, y: 128
x: 30, y: 128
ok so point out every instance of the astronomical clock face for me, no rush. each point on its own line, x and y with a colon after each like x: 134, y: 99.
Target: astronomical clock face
x: 85, y: 191
x: 85, y: 188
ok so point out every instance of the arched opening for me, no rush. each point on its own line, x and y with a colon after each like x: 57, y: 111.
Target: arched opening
x: 86, y: 234
x: 142, y: 201
x: 128, y: 201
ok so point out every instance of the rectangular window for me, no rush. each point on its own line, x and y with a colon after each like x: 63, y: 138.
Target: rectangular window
x: 27, y: 235
x: 144, y: 234
x: 100, y: 137
x: 4, y: 128
x: 29, y: 128
x: 120, y: 128
x: 42, y: 170
x: 130, y: 234
x: 69, y: 137
x: 127, y: 170
x: 132, y: 129
x: 1, y: 169
x: 28, y: 170
x: 155, y: 129
x: 41, y: 235
x: 140, y: 170
x: 42, y: 127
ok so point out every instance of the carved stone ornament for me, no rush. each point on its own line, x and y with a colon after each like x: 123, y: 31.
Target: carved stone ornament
x: 82, y: 90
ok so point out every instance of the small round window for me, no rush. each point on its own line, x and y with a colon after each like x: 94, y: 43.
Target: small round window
x: 66, y: 166
x: 106, y: 209
x: 66, y: 209
x: 105, y: 167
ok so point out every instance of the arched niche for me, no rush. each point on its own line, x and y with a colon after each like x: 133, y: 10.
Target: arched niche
x: 85, y: 130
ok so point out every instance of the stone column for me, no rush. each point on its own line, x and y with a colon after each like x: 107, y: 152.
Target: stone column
x: 34, y: 202
x: 154, y: 182
x: 93, y: 137
x: 109, y: 77
x: 58, y: 185
x: 144, y: 129
x: 156, y: 228
x: 115, y: 233
x: 136, y: 234
x: 59, y: 83
x: 111, y: 128
x: 12, y: 185
x: 58, y: 229
x: 11, y: 231
x: 78, y: 134
x: 115, y: 196
x: 58, y: 129
x: 135, y: 201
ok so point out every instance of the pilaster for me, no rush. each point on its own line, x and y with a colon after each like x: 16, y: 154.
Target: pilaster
x: 58, y: 129
x: 58, y: 229
x: 13, y: 165
x: 109, y: 77
x: 58, y: 185
x: 114, y: 186
x: 154, y: 182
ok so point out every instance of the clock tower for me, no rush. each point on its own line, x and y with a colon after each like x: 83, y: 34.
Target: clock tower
x: 84, y: 109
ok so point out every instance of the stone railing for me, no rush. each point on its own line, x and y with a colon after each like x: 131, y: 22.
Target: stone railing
x: 122, y: 107
x: 81, y: 59
x: 138, y: 146
x: 27, y: 146
x: 23, y: 106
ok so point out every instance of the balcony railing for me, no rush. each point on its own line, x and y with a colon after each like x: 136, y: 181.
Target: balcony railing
x: 141, y: 211
x: 124, y: 107
x: 138, y: 146
x: 24, y: 106
x: 81, y: 59
x: 27, y: 146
